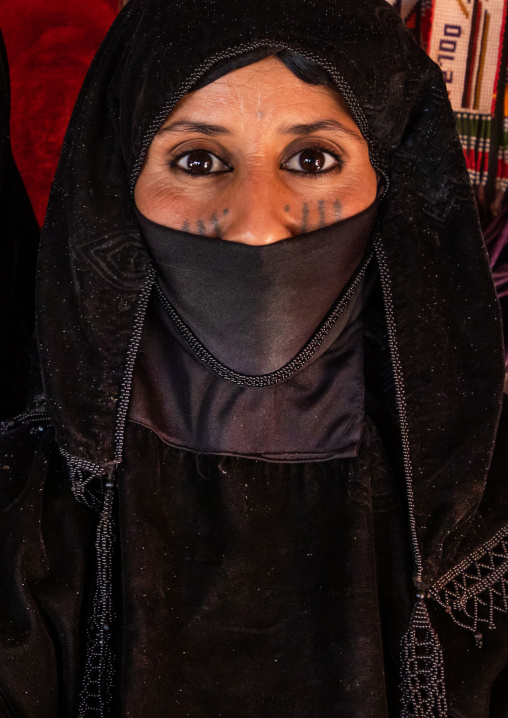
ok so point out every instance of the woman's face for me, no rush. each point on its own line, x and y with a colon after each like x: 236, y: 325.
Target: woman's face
x: 255, y: 157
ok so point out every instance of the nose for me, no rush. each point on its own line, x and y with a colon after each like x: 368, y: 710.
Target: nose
x: 259, y: 210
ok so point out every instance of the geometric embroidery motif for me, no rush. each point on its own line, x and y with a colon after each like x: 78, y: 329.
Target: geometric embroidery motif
x: 119, y: 258
x: 475, y: 590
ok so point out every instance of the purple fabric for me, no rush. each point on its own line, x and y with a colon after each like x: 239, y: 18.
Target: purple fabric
x: 496, y: 239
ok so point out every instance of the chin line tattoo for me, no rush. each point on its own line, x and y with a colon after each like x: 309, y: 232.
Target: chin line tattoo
x: 216, y: 226
x: 305, y: 217
x: 321, y: 210
x: 337, y: 209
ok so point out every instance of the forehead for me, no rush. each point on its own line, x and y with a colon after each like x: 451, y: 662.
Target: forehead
x: 265, y: 87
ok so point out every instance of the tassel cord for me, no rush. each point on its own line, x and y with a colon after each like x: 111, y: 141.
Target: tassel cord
x: 96, y: 692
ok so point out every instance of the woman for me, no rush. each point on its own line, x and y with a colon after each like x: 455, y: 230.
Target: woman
x: 271, y: 358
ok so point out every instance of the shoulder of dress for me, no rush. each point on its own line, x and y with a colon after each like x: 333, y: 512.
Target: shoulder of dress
x: 27, y: 450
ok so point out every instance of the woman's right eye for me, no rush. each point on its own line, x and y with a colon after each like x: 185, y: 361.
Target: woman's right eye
x: 200, y: 162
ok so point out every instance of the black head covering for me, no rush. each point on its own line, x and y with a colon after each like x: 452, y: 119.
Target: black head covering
x: 442, y: 314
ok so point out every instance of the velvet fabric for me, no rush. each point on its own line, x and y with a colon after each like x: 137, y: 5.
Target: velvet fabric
x: 333, y: 547
x: 245, y: 613
x: 275, y: 644
x: 50, y: 47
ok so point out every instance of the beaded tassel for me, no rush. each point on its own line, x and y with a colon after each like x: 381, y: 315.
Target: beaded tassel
x: 90, y: 489
x: 95, y: 697
x: 422, y: 670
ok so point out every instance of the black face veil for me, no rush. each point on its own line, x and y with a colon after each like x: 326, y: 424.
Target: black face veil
x: 442, y: 317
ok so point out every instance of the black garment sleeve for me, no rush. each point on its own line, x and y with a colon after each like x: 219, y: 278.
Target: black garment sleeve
x: 45, y: 536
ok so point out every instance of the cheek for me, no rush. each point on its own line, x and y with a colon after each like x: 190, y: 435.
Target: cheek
x: 360, y: 189
x: 164, y: 202
x: 315, y: 203
x: 357, y: 185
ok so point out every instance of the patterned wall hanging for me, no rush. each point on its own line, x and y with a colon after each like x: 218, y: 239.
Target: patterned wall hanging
x: 417, y: 15
x: 465, y: 38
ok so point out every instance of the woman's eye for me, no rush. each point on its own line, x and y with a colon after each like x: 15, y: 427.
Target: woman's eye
x: 201, y: 162
x: 312, y: 161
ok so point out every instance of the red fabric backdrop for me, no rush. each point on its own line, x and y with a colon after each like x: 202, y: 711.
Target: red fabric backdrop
x: 50, y: 44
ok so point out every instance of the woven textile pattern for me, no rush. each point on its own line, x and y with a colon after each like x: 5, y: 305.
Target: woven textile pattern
x: 465, y: 38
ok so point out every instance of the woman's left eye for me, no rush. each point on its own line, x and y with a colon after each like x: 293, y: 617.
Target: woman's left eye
x: 312, y: 161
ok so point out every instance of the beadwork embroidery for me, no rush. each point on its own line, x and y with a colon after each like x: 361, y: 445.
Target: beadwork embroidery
x: 86, y: 481
x: 477, y: 588
x: 36, y: 415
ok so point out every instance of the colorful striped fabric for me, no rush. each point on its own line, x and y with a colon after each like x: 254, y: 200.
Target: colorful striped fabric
x: 465, y: 38
x: 417, y: 15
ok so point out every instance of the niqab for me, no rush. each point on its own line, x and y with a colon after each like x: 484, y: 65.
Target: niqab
x: 270, y: 335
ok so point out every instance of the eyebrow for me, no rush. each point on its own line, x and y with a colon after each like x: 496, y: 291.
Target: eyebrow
x: 299, y: 129
x: 188, y: 126
x: 309, y: 128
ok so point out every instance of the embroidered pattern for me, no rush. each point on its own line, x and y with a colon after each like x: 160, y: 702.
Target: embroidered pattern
x: 422, y: 670
x: 36, y: 415
x: 119, y: 258
x: 475, y: 590
x: 87, y: 481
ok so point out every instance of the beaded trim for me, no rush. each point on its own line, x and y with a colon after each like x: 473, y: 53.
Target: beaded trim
x: 285, y: 372
x: 132, y: 350
x: 398, y: 375
x: 96, y: 691
x: 36, y: 415
x: 87, y: 481
x: 477, y: 588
